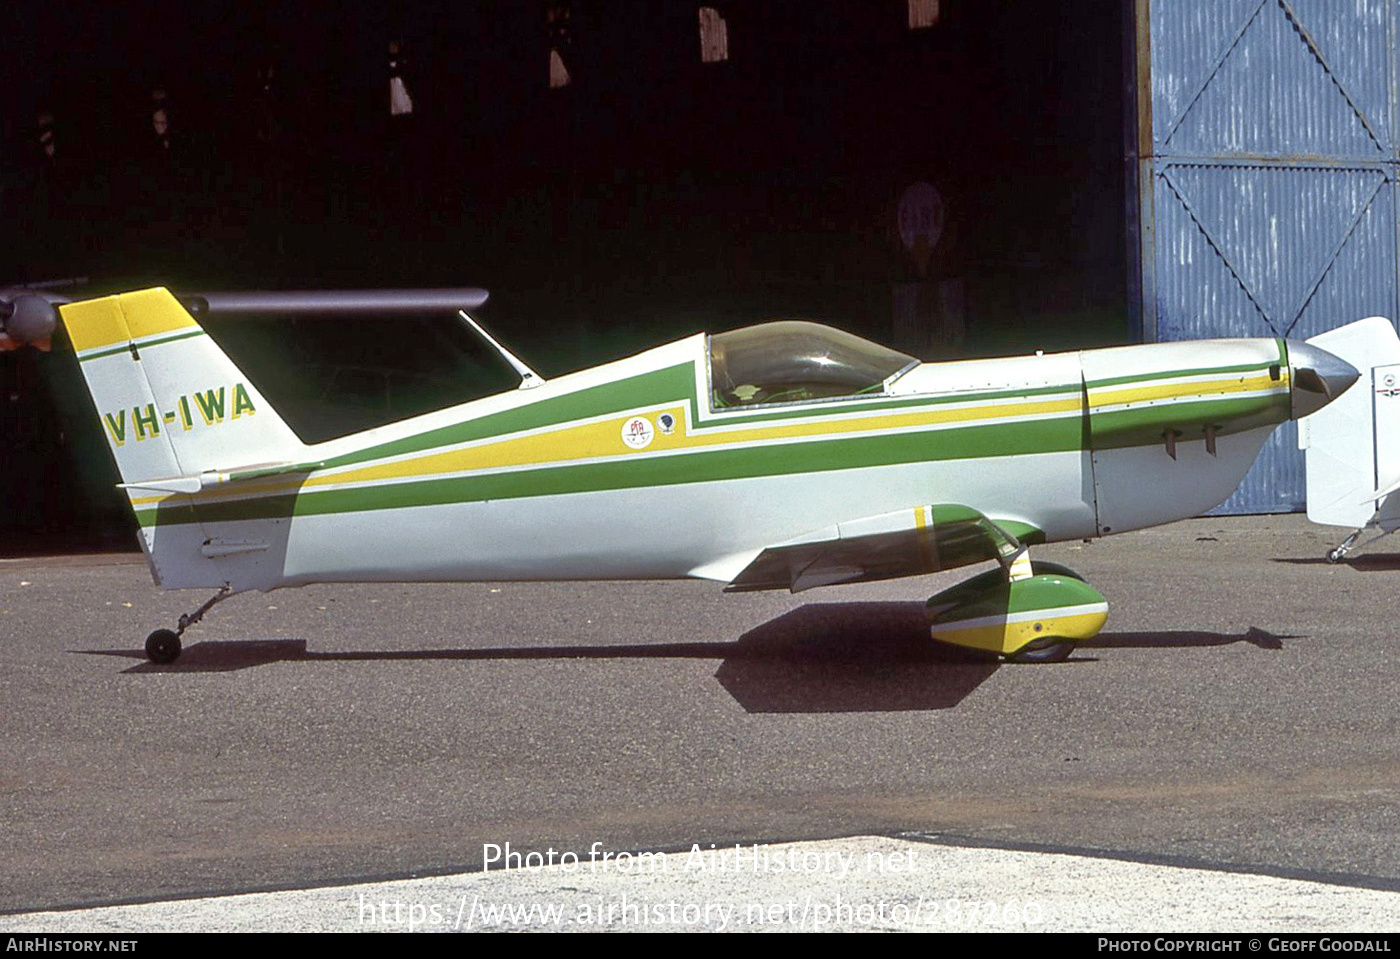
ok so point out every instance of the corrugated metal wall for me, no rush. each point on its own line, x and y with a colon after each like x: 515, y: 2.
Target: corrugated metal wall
x: 1266, y: 170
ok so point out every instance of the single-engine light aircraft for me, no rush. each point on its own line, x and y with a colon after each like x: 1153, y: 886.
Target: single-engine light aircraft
x: 785, y: 455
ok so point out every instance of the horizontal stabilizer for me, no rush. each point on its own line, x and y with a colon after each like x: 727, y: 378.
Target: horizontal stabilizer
x: 907, y: 542
x: 338, y: 302
x: 1381, y: 493
x: 203, y: 481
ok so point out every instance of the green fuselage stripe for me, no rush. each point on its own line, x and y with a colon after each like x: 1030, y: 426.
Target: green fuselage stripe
x: 675, y: 385
x: 1146, y: 426
x: 649, y: 389
x: 1107, y: 429
x: 632, y: 472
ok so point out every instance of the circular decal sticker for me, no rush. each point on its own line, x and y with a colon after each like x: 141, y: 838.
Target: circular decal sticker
x: 667, y: 422
x: 637, y: 432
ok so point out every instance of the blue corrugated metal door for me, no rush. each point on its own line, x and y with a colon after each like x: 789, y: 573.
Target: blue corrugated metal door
x: 1272, y: 173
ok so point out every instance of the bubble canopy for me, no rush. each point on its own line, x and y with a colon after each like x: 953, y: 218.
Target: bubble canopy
x: 790, y: 361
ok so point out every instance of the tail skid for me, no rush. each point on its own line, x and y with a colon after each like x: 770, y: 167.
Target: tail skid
x: 1353, y: 444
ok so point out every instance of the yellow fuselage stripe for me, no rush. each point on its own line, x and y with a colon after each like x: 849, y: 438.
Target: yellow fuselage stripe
x: 1117, y: 396
x: 602, y: 439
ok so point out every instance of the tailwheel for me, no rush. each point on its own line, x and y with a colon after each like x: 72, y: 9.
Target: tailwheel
x: 1051, y: 649
x: 1339, y: 554
x: 163, y: 646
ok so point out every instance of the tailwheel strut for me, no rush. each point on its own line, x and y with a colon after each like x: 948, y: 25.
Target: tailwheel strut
x: 1339, y: 553
x: 163, y: 645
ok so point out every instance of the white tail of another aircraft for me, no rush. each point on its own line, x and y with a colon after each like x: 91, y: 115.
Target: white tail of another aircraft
x: 1353, y: 443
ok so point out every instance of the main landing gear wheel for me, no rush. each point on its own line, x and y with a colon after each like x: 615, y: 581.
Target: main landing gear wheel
x: 163, y: 646
x: 1051, y: 649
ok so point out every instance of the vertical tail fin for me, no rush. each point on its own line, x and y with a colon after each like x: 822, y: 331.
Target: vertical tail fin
x: 182, y: 421
x: 172, y: 404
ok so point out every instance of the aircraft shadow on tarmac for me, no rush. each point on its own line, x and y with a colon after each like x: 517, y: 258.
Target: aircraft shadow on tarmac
x: 1371, y: 563
x: 819, y: 658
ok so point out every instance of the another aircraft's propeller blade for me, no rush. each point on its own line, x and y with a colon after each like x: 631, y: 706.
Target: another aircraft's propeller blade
x: 28, y: 319
x: 307, y: 302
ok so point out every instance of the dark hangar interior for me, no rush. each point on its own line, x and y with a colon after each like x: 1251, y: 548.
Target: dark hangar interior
x: 946, y: 177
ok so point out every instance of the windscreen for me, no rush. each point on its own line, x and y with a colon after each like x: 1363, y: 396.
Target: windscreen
x: 793, y: 360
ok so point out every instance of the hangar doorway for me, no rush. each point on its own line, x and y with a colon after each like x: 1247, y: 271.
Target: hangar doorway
x: 945, y: 177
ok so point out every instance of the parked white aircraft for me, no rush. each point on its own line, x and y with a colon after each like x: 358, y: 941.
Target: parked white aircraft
x: 785, y: 455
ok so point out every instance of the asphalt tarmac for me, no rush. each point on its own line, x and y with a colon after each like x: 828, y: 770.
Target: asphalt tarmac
x: 1238, y: 713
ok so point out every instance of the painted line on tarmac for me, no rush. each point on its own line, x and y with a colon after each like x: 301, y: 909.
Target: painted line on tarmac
x: 854, y: 884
